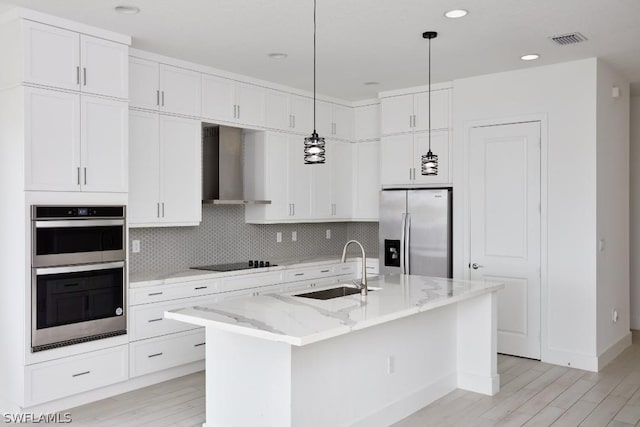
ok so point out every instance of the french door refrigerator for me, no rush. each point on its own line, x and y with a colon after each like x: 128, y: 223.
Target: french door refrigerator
x: 415, y: 232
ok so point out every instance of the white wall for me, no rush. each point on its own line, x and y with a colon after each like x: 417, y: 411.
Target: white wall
x: 634, y: 158
x: 564, y: 95
x: 612, y: 207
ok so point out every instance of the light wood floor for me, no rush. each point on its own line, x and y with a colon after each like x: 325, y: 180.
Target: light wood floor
x: 531, y: 394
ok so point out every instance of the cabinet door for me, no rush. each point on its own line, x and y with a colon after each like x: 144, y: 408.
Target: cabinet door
x: 341, y: 179
x: 52, y: 135
x: 144, y: 168
x: 218, y: 98
x: 343, y: 122
x: 324, y: 119
x: 144, y: 84
x: 299, y: 176
x: 180, y: 170
x: 251, y: 102
x: 321, y: 188
x: 367, y: 122
x: 439, y: 110
x: 439, y: 147
x: 367, y: 180
x: 396, y: 113
x: 302, y: 111
x: 105, y: 67
x: 278, y: 115
x: 277, y: 176
x: 395, y: 159
x: 52, y: 56
x: 180, y: 91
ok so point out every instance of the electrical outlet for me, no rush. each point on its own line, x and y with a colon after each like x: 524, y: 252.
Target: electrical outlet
x: 279, y: 237
x: 135, y: 246
x: 391, y: 365
x: 328, y: 233
x: 614, y: 316
x: 601, y: 245
x: 294, y: 236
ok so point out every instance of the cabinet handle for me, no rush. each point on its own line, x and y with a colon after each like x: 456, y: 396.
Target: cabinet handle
x: 299, y: 274
x: 324, y: 271
x: 294, y: 121
x: 200, y: 344
x: 158, y: 213
x: 154, y: 294
x: 238, y: 111
x: 78, y: 75
x: 200, y: 287
x: 85, y: 176
x: 154, y: 355
x: 80, y: 374
x: 154, y: 320
x: 84, y: 72
x: 163, y: 98
x: 78, y: 176
x: 158, y: 97
x: 294, y: 209
x: 162, y: 209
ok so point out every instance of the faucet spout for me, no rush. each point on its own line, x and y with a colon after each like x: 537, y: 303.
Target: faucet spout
x: 363, y: 285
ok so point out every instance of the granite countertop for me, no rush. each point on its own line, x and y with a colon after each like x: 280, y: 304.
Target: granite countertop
x: 299, y: 321
x: 168, y: 277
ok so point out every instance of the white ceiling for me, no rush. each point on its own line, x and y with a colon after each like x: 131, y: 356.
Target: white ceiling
x: 368, y: 40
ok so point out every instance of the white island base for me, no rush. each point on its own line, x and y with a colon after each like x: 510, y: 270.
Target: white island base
x: 374, y: 371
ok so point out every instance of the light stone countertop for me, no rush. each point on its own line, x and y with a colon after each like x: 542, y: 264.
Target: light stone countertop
x: 169, y: 277
x: 299, y: 321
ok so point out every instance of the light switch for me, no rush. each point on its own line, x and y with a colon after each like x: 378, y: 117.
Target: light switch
x: 328, y: 233
x: 601, y: 245
x: 135, y: 246
x: 294, y: 236
x: 279, y: 237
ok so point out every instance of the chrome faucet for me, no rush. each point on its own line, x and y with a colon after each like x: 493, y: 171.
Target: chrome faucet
x: 363, y: 284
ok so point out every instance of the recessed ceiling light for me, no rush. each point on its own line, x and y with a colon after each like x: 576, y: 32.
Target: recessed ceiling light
x: 530, y: 57
x: 127, y: 10
x: 456, y: 13
x: 371, y: 83
x: 277, y: 55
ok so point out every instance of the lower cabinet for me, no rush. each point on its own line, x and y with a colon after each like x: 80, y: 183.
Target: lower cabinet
x: 166, y: 352
x: 72, y: 375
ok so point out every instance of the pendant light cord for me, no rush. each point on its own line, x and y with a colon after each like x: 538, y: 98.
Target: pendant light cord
x: 314, y: 66
x: 429, y: 96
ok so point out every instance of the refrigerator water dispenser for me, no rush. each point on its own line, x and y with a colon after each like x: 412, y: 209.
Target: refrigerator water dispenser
x: 392, y: 253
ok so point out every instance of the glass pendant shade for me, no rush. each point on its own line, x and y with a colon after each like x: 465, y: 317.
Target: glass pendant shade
x: 314, y: 152
x: 429, y: 164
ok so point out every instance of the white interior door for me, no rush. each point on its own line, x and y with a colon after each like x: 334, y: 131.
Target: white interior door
x: 504, y: 200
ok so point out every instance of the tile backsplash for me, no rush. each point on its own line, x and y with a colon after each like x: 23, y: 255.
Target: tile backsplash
x: 224, y: 237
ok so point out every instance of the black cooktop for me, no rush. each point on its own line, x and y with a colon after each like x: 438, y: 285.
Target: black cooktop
x: 235, y: 266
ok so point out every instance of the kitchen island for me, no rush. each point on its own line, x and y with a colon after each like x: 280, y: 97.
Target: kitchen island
x: 285, y: 360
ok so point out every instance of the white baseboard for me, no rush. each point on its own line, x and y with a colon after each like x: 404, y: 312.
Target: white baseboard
x: 409, y: 404
x: 614, y: 351
x: 479, y: 383
x: 570, y: 359
x: 635, y: 322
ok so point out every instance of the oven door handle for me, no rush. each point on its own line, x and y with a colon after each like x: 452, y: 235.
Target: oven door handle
x: 79, y: 223
x: 78, y: 268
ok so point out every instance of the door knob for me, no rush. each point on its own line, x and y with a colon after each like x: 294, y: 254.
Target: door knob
x: 476, y: 266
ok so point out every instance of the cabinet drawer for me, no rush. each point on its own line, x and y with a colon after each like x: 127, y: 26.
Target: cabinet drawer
x: 310, y: 273
x: 346, y: 268
x: 306, y: 284
x: 252, y: 281
x: 166, y: 352
x: 148, y: 321
x: 60, y: 378
x: 160, y: 293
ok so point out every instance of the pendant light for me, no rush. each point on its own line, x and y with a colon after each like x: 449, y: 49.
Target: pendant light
x: 429, y: 161
x: 314, y: 145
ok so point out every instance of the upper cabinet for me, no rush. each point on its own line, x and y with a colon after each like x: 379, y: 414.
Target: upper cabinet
x: 366, y: 180
x: 334, y: 121
x: 410, y: 113
x: 288, y: 112
x: 165, y: 88
x: 75, y: 142
x: 65, y: 59
x: 367, y: 122
x: 231, y: 101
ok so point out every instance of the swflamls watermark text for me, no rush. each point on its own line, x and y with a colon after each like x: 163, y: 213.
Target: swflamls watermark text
x: 30, y: 417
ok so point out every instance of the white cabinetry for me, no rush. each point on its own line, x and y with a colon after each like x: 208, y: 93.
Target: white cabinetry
x: 367, y: 122
x: 75, y: 142
x: 65, y: 59
x: 289, y: 112
x: 166, y: 180
x: 401, y: 158
x: 231, y: 101
x: 410, y: 113
x: 334, y: 121
x: 339, y: 159
x: 162, y: 87
x: 366, y: 180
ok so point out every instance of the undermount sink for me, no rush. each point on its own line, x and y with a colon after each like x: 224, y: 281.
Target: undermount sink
x: 338, y: 292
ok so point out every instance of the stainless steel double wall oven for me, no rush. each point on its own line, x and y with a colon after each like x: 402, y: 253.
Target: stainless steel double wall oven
x: 78, y: 274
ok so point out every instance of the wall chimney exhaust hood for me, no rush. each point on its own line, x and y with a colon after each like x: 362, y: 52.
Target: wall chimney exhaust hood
x: 222, y: 167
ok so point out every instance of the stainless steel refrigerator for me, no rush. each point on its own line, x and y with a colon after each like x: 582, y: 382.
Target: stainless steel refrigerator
x: 415, y: 232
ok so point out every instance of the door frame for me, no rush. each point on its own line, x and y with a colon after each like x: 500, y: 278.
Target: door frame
x: 466, y: 216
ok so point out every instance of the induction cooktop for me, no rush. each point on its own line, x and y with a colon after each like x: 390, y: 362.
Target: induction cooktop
x: 235, y: 266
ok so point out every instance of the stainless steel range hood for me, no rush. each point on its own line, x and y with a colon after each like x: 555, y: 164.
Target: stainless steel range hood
x: 222, y: 167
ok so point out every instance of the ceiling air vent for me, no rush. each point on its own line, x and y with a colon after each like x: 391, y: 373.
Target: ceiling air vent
x: 571, y: 38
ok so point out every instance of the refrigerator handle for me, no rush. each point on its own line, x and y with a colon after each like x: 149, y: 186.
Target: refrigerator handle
x: 402, y: 244
x: 407, y: 241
